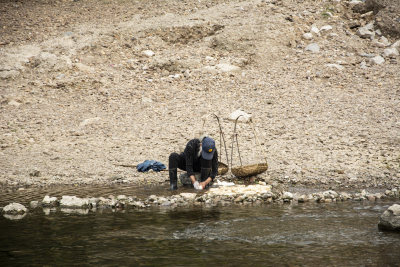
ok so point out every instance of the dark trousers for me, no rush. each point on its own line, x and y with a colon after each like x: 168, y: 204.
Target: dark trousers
x: 178, y: 161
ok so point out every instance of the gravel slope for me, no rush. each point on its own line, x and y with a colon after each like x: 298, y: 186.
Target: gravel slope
x: 79, y: 96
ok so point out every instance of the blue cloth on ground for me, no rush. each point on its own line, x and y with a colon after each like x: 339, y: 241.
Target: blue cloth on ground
x: 150, y: 164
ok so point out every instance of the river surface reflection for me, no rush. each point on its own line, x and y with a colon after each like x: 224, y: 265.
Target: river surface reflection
x: 334, y: 234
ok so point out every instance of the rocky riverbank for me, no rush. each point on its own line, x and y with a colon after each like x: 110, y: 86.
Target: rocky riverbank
x: 218, y: 196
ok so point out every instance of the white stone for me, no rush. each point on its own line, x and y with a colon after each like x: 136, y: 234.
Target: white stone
x: 363, y: 65
x: 121, y: 197
x: 396, y: 44
x: 243, y: 116
x: 14, y: 103
x: 89, y: 121
x: 314, y: 29
x: 47, y: 200
x: 34, y: 204
x: 336, y: 66
x: 224, y: 67
x: 287, y: 195
x: 73, y: 202
x: 314, y: 48
x: 308, y: 36
x: 14, y: 208
x: 390, y: 52
x: 148, y: 53
x: 378, y: 60
x: 384, y: 41
x: 326, y: 28
x: 366, y: 31
x: 188, y: 196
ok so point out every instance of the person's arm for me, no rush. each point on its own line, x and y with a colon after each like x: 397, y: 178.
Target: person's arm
x: 214, y: 171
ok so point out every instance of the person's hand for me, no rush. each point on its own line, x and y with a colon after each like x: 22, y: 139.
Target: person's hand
x: 206, y: 182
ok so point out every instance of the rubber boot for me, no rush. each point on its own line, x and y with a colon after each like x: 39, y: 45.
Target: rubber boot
x: 173, y: 179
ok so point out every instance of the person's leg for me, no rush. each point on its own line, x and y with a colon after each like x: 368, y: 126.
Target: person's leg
x: 206, y: 166
x: 173, y: 164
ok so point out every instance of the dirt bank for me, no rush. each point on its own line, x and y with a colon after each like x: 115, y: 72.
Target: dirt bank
x: 82, y: 91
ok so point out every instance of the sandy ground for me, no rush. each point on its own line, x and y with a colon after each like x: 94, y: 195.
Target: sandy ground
x: 79, y: 96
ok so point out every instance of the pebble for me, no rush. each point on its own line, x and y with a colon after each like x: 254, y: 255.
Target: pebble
x: 308, y: 36
x: 326, y: 28
x: 148, y: 53
x: 314, y: 48
x: 224, y: 67
x: 363, y: 65
x: 377, y: 60
x: 336, y: 66
x: 314, y: 29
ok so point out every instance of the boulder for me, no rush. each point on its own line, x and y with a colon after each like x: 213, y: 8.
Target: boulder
x: 15, y: 208
x: 390, y: 219
x: 49, y: 201
x: 74, y: 202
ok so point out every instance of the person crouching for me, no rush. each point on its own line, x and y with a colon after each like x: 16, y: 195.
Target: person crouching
x: 200, y: 156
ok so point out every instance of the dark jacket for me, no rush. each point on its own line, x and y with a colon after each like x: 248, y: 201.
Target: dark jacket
x: 193, y: 162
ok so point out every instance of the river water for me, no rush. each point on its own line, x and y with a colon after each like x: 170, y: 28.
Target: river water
x: 309, y: 234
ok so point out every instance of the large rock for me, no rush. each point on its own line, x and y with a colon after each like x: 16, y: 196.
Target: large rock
x: 367, y: 31
x: 390, y: 219
x: 14, y: 208
x: 74, y: 202
x: 49, y: 201
x: 386, y: 14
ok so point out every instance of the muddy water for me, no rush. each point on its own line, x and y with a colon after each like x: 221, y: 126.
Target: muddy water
x: 335, y: 234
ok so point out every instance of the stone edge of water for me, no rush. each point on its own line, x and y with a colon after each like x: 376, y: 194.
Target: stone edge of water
x: 210, y: 198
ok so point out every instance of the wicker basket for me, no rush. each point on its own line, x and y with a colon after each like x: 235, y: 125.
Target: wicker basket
x: 249, y: 170
x: 222, y: 168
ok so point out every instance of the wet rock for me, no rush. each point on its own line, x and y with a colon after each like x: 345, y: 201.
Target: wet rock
x: 390, y: 52
x: 106, y: 202
x: 287, y: 196
x: 188, y: 196
x: 390, y: 219
x: 314, y: 48
x: 377, y: 60
x: 34, y: 204
x: 74, y: 202
x: 15, y: 208
x: 49, y: 201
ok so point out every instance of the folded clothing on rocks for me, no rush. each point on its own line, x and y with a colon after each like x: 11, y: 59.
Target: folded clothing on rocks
x: 150, y: 164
